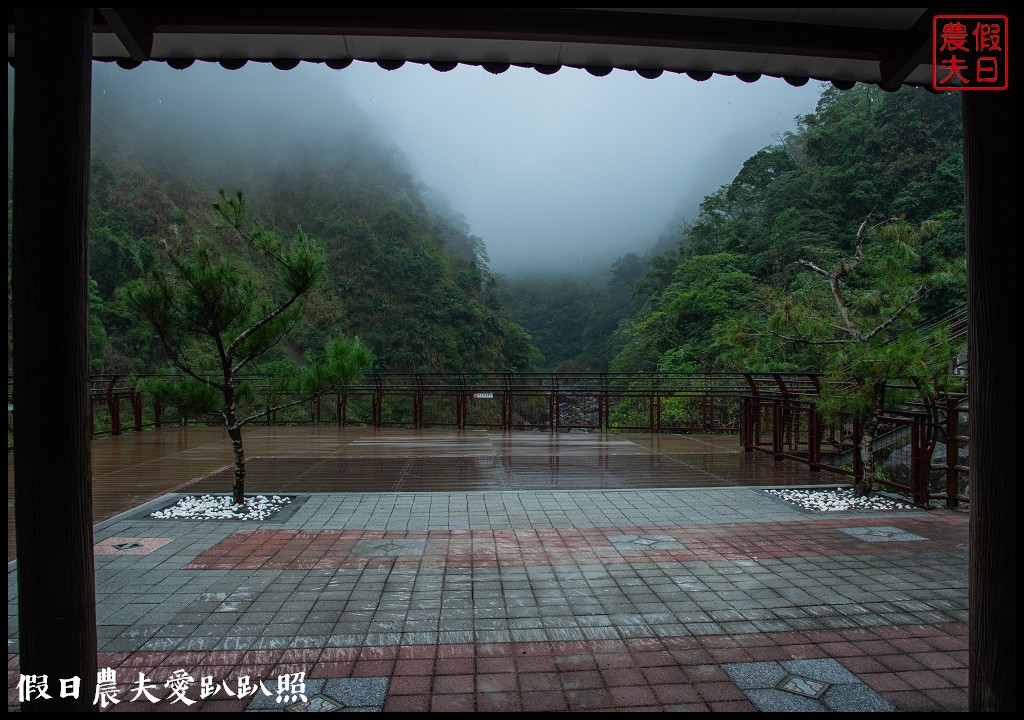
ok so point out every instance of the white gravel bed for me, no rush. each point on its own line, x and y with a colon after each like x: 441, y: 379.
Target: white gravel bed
x: 838, y: 499
x: 222, y: 507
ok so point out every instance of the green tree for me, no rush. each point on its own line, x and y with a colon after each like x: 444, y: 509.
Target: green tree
x: 856, y: 320
x: 208, y: 314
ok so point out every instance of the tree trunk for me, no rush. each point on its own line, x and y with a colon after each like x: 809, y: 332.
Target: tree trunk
x: 868, y: 430
x: 238, y: 484
x: 235, y: 433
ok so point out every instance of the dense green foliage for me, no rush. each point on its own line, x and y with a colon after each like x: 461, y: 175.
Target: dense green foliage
x: 862, y: 153
x: 401, y: 269
x: 572, y: 319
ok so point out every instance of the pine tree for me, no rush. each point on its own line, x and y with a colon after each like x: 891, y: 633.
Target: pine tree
x: 209, y: 315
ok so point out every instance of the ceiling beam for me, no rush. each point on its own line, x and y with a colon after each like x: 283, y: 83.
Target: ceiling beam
x: 912, y: 51
x: 544, y: 25
x: 132, y: 30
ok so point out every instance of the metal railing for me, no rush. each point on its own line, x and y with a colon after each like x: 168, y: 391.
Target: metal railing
x: 774, y: 413
x: 904, y: 446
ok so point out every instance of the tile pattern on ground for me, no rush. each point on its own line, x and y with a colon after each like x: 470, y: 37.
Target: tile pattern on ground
x: 523, y: 601
x: 360, y: 694
x: 882, y: 533
x: 915, y: 667
x: 813, y: 685
x: 389, y: 547
x: 130, y: 545
x: 293, y: 549
x: 643, y: 543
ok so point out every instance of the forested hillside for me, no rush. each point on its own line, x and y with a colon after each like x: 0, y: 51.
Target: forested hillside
x: 864, y: 155
x: 403, y: 272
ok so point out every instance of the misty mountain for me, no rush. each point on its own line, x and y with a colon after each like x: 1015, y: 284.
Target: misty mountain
x: 404, y: 272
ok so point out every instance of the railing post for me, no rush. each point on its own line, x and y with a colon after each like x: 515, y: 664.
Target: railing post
x: 952, y: 453
x: 746, y: 430
x: 918, y: 473
x: 158, y: 414
x: 114, y: 406
x: 814, y: 438
x: 858, y: 461
x: 137, y: 409
x: 777, y: 429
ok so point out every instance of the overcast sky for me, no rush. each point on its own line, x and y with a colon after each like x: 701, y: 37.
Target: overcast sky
x: 557, y: 172
x: 570, y: 168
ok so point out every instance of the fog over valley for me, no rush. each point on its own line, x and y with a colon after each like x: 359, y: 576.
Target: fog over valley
x: 555, y: 173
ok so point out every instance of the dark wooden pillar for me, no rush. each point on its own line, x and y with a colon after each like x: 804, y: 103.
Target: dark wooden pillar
x: 990, y: 170
x: 53, y: 483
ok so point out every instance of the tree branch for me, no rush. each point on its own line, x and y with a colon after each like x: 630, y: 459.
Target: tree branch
x: 895, y: 316
x: 263, y: 321
x: 815, y: 268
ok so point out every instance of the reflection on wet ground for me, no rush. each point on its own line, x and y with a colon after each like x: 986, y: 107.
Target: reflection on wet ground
x: 132, y: 468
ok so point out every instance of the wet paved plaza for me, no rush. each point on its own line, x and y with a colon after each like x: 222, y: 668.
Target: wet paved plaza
x: 520, y: 597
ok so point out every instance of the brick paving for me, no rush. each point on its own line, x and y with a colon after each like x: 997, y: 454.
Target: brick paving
x: 663, y: 599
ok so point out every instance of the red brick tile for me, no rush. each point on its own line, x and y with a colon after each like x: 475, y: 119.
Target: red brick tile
x: 373, y: 668
x: 924, y: 680
x: 859, y: 665
x: 948, y: 643
x: 730, y: 655
x: 956, y: 676
x: 494, y: 664
x: 769, y: 652
x: 407, y: 703
x: 899, y: 662
x: 620, y: 677
x: 386, y: 652
x: 550, y: 701
x: 937, y: 660
x: 494, y: 650
x: 453, y: 684
x: 658, y: 658
x: 495, y: 682
x: 803, y: 652
x: 416, y: 652
x: 576, y: 662
x: 581, y: 679
x: 339, y: 654
x: 911, y: 645
x: 592, y: 699
x: 632, y: 696
x: 453, y: 703
x: 498, y: 702
x: 695, y: 656
x: 410, y: 685
x: 840, y: 649
x: 298, y: 655
x: 448, y: 652
x: 681, y: 693
x: 664, y: 675
x: 885, y: 682
x: 614, y: 660
x: 454, y: 666
x: 331, y: 670
x: 539, y: 682
x: 732, y: 706
x: 912, y: 701
x: 540, y: 663
x: 718, y: 691
x: 950, y: 699
x: 414, y: 667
